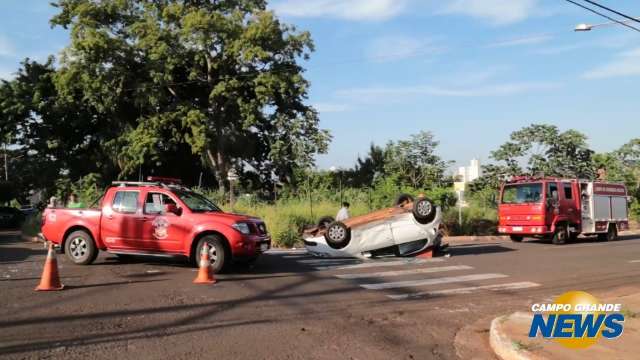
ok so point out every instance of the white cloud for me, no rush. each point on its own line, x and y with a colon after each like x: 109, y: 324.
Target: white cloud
x: 528, y: 40
x: 497, y: 12
x: 374, y: 94
x: 330, y: 107
x: 343, y: 9
x: 392, y: 48
x: 6, y: 47
x: 625, y: 64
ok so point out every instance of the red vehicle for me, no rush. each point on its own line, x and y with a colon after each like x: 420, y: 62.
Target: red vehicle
x: 562, y: 209
x: 159, y: 218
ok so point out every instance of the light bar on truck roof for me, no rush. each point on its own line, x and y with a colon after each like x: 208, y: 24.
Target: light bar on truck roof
x: 164, y: 180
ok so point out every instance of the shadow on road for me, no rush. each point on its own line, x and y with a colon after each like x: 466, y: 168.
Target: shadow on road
x: 478, y: 250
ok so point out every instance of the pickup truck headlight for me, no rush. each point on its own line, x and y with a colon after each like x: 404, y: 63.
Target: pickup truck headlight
x: 242, y: 227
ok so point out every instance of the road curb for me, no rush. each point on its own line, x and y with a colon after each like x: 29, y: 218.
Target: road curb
x: 502, y: 344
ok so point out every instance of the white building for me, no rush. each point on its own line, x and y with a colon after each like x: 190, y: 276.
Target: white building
x: 466, y: 174
x: 469, y: 173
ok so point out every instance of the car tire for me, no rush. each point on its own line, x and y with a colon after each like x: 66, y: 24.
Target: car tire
x: 560, y: 236
x: 80, y: 248
x: 424, y: 211
x: 218, y: 255
x: 516, y: 238
x: 337, y: 235
x: 325, y: 221
x: 403, y: 198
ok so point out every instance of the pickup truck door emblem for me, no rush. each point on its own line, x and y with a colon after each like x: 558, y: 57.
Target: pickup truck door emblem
x: 160, y: 227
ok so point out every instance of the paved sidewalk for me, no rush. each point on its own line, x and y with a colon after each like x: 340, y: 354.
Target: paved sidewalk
x: 509, y: 336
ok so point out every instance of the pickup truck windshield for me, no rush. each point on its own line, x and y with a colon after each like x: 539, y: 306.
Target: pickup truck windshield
x: 196, y: 202
x: 522, y: 194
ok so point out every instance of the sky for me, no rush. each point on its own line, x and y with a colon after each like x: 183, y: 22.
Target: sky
x: 470, y: 71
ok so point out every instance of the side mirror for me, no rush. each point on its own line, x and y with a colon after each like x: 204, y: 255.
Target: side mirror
x: 172, y: 209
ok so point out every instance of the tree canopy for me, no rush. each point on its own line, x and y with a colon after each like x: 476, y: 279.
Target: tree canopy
x: 171, y: 87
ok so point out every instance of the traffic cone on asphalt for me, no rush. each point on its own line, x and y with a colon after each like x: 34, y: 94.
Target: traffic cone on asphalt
x: 50, y: 278
x: 205, y: 273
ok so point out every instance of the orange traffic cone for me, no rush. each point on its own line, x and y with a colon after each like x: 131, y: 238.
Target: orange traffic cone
x: 50, y: 278
x: 205, y: 274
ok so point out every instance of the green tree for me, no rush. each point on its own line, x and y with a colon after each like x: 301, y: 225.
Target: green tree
x: 219, y: 78
x: 414, y: 162
x: 49, y: 137
x: 546, y: 150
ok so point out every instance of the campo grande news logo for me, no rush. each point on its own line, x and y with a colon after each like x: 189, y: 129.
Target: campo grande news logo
x: 577, y: 320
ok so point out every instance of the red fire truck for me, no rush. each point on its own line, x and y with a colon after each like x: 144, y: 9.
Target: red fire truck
x: 562, y: 209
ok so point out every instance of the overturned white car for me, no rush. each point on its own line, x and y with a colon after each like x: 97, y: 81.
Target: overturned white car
x: 410, y: 227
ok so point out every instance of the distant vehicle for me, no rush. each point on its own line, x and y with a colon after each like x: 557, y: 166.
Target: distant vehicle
x: 10, y: 218
x: 158, y: 218
x: 410, y: 227
x: 562, y: 209
x: 28, y: 210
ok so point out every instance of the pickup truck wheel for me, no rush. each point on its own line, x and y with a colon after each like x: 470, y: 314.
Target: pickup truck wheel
x: 516, y: 238
x: 337, y: 235
x: 80, y: 248
x: 424, y: 211
x: 217, y: 252
x: 560, y: 236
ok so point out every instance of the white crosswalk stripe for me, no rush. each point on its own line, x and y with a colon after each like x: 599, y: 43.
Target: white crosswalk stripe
x: 429, y: 270
x: 434, y: 281
x: 413, y: 274
x: 467, y: 290
x: 373, y: 264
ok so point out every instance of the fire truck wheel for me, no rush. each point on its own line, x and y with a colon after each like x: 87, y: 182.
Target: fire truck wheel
x: 516, y: 238
x: 612, y: 233
x: 560, y: 236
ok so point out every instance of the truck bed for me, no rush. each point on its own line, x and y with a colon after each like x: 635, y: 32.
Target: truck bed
x: 57, y: 221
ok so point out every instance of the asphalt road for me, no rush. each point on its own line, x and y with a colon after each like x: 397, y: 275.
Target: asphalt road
x: 292, y: 306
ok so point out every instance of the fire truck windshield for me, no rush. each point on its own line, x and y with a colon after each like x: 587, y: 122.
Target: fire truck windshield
x: 522, y: 194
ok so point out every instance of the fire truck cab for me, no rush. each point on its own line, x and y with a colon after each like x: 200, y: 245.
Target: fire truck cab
x: 562, y: 209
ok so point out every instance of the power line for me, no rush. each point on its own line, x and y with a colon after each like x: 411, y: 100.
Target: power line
x: 612, y: 10
x: 603, y: 15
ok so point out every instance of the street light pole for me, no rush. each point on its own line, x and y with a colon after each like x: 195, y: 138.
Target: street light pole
x: 589, y: 27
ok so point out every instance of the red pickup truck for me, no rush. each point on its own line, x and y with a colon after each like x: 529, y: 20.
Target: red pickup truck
x: 155, y: 218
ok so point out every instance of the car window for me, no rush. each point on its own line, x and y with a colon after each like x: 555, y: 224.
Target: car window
x: 568, y: 193
x: 196, y: 202
x: 125, y: 202
x: 155, y: 202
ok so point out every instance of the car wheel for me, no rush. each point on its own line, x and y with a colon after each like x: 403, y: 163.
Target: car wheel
x: 337, y: 235
x: 325, y: 221
x: 217, y: 252
x: 80, y: 248
x: 402, y: 199
x: 424, y: 211
x: 516, y: 238
x: 560, y: 236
